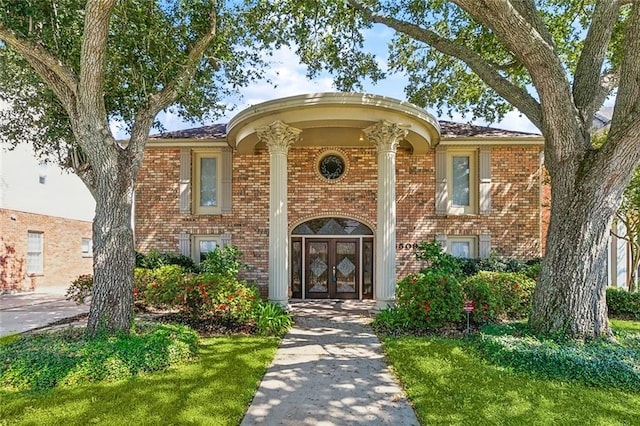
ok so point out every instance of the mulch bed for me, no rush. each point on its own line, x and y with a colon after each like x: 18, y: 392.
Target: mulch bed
x: 209, y: 326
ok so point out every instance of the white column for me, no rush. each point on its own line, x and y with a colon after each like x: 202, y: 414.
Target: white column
x: 278, y: 137
x: 386, y: 136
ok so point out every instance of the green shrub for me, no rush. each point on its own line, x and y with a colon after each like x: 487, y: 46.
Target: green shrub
x: 223, y: 261
x: 622, y: 303
x: 391, y: 320
x: 493, y: 263
x: 438, y: 260
x: 198, y: 295
x: 223, y: 297
x: 430, y: 299
x: 596, y: 362
x: 160, y: 286
x: 271, y: 319
x: 499, y: 295
x: 80, y: 289
x: 67, y: 357
x: 154, y: 259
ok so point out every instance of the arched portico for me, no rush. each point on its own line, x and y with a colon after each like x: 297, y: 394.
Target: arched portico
x: 333, y: 120
x: 332, y: 257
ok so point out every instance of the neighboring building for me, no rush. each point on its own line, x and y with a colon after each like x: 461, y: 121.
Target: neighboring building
x: 327, y: 194
x: 619, y: 256
x: 45, y: 223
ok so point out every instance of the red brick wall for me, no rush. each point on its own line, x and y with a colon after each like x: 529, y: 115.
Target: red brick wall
x: 62, y: 239
x: 514, y: 224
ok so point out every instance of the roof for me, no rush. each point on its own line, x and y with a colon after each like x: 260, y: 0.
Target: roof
x: 451, y: 129
x: 448, y: 129
x: 215, y: 131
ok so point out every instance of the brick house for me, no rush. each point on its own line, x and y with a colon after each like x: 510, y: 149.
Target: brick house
x: 45, y: 223
x: 327, y: 194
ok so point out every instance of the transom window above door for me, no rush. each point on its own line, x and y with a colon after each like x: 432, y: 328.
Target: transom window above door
x: 332, y: 226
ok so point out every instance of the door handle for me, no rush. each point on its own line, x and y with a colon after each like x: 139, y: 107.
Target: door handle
x: 333, y: 269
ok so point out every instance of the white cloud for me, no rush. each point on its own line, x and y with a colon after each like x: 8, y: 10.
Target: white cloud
x: 287, y: 78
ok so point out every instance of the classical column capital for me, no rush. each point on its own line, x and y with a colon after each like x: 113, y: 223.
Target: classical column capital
x: 278, y: 136
x: 386, y: 135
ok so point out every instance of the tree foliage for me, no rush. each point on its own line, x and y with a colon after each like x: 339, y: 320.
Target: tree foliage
x: 148, y: 48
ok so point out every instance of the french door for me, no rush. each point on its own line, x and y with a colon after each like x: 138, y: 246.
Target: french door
x: 332, y: 268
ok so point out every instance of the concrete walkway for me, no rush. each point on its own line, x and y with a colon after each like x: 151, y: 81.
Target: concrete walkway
x: 330, y: 370
x: 20, y: 312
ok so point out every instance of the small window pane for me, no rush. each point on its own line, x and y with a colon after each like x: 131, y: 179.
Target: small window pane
x: 461, y: 249
x: 35, y: 256
x: 208, y: 184
x: 204, y: 247
x: 460, y: 196
x: 87, y: 246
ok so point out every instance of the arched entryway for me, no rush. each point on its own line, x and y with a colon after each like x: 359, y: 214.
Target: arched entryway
x: 332, y: 258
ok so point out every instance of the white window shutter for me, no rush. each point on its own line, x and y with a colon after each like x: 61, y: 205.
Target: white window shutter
x: 484, y: 249
x: 442, y: 240
x: 185, y: 180
x: 441, y: 180
x: 184, y: 244
x: 225, y: 240
x: 484, y: 190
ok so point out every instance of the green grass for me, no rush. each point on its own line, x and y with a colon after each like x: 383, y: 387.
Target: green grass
x: 215, y: 389
x: 629, y: 326
x: 449, y: 383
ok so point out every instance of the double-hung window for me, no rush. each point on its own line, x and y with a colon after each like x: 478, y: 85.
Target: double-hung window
x: 463, y: 247
x: 203, y: 244
x: 87, y: 247
x: 35, y: 252
x: 462, y: 182
x: 207, y: 182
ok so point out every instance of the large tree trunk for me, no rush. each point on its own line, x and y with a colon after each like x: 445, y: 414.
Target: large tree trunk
x: 113, y: 251
x: 570, y: 295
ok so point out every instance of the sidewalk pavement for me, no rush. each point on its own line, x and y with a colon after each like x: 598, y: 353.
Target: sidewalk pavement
x: 20, y: 312
x: 330, y: 370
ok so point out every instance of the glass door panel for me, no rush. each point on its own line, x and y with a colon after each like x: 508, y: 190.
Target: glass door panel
x: 345, y: 267
x: 367, y: 269
x: 317, y: 269
x: 296, y: 268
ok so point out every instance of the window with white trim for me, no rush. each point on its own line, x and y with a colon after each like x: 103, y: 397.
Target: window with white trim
x: 203, y: 244
x: 207, y: 181
x: 35, y: 252
x: 87, y: 247
x: 462, y: 184
x: 463, y: 247
x: 463, y: 180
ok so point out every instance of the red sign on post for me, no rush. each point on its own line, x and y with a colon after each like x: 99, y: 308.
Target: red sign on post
x: 469, y: 306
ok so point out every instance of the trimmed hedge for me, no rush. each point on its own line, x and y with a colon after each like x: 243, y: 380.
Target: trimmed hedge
x: 622, y: 303
x: 499, y: 295
x: 430, y: 299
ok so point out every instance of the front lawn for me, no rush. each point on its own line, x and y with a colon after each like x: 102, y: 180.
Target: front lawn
x: 449, y: 382
x: 215, y: 389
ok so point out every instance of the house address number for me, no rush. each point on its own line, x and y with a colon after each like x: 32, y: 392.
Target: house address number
x: 407, y: 246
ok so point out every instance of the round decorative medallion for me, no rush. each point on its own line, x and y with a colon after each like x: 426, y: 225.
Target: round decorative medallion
x: 331, y: 166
